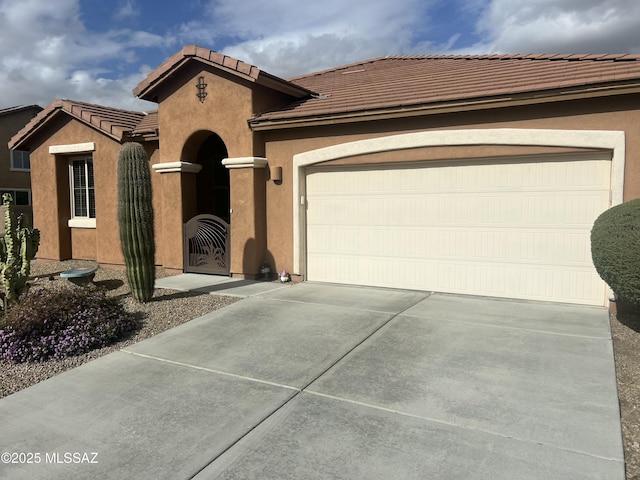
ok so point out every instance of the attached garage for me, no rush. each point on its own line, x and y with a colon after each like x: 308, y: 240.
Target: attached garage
x: 515, y: 227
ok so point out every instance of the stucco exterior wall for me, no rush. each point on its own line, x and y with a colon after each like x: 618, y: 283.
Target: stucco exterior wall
x: 599, y: 114
x: 225, y: 111
x: 185, y: 122
x: 51, y: 195
x: 10, y: 123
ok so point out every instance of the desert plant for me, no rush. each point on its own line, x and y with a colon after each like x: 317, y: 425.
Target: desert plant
x: 17, y: 248
x: 135, y: 218
x: 615, y: 249
x: 58, y: 324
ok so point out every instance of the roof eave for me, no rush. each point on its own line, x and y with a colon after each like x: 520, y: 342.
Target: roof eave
x: 463, y: 105
x: 148, y: 92
x: 29, y: 131
x: 275, y: 83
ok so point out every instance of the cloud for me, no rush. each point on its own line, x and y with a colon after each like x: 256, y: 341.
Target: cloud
x: 46, y: 53
x: 75, y: 49
x: 127, y: 9
x: 560, y: 26
x: 289, y: 38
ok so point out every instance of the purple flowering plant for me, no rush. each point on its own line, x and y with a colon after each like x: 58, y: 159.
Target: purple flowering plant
x: 47, y: 324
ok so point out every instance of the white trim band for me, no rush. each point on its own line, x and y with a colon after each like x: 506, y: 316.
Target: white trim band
x: 170, y: 167
x: 245, y: 162
x: 82, y: 222
x: 72, y: 148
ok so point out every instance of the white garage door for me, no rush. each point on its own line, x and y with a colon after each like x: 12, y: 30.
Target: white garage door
x: 517, y: 229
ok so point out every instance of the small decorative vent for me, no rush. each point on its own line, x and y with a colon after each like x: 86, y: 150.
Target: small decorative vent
x: 201, y: 86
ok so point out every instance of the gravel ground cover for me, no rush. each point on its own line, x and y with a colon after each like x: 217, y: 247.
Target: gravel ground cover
x: 167, y: 309
x: 625, y: 331
x: 170, y: 308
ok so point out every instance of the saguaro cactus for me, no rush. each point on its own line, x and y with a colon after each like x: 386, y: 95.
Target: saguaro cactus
x: 135, y: 217
x: 17, y: 248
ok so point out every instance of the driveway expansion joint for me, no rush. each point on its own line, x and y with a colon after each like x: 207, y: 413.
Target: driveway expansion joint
x: 210, y: 370
x: 455, y: 425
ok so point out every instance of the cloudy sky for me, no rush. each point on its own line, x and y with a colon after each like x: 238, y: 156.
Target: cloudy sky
x: 97, y: 51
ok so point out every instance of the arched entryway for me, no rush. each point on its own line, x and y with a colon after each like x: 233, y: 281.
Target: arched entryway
x: 213, y: 180
x: 206, y: 230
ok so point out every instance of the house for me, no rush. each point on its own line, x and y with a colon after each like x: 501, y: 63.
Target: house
x: 468, y: 174
x: 14, y: 164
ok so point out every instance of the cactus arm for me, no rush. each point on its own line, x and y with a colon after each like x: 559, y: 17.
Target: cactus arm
x: 17, y: 249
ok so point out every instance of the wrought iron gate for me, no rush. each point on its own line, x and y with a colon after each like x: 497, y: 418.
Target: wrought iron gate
x: 206, y: 245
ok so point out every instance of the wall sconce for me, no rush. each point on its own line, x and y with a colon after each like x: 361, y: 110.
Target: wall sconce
x: 275, y: 173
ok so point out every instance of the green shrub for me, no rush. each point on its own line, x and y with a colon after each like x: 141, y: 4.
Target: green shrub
x: 615, y: 249
x: 58, y: 324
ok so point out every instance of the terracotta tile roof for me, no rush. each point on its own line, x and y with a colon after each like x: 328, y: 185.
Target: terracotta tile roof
x: 412, y: 81
x: 10, y: 110
x: 148, y: 125
x: 147, y: 88
x: 113, y: 122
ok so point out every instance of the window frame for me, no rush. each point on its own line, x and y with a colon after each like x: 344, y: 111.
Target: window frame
x: 82, y: 221
x: 13, y: 192
x: 21, y: 153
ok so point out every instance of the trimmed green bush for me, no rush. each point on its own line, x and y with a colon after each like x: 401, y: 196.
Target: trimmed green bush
x: 615, y: 249
x: 58, y: 324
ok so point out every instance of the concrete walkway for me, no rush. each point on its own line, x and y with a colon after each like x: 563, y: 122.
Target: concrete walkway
x: 313, y: 381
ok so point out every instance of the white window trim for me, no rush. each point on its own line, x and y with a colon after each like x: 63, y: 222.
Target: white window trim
x: 75, y: 221
x: 82, y: 222
x: 72, y: 148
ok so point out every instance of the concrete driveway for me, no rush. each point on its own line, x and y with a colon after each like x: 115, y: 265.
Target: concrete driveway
x: 316, y: 381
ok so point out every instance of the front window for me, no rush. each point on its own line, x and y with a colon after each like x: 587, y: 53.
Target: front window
x: 21, y: 198
x: 83, y: 198
x: 20, y: 160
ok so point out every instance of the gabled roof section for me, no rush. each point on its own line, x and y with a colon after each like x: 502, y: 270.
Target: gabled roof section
x: 148, y: 126
x: 20, y: 108
x: 113, y: 122
x: 405, y: 85
x: 147, y: 89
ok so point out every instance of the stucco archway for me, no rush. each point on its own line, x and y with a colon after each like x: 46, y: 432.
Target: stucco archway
x: 206, y: 148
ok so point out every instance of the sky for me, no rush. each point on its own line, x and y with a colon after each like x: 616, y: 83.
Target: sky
x: 97, y: 52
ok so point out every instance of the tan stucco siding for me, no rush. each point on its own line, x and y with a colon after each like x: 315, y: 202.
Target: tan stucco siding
x: 83, y: 243
x: 10, y: 124
x: 185, y: 122
x: 602, y: 114
x: 225, y: 111
x: 248, y: 228
x: 51, y: 196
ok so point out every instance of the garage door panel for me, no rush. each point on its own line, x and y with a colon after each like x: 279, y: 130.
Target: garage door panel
x: 509, y: 209
x: 515, y: 230
x: 520, y: 246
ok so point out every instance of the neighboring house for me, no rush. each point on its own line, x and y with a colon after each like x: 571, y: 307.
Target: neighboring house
x: 15, y: 165
x: 467, y: 174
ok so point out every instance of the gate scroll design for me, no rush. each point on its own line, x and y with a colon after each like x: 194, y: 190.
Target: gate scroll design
x: 206, y: 245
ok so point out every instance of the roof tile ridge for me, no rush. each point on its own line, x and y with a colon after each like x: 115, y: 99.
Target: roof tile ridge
x: 336, y: 69
x: 221, y: 59
x: 96, y: 105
